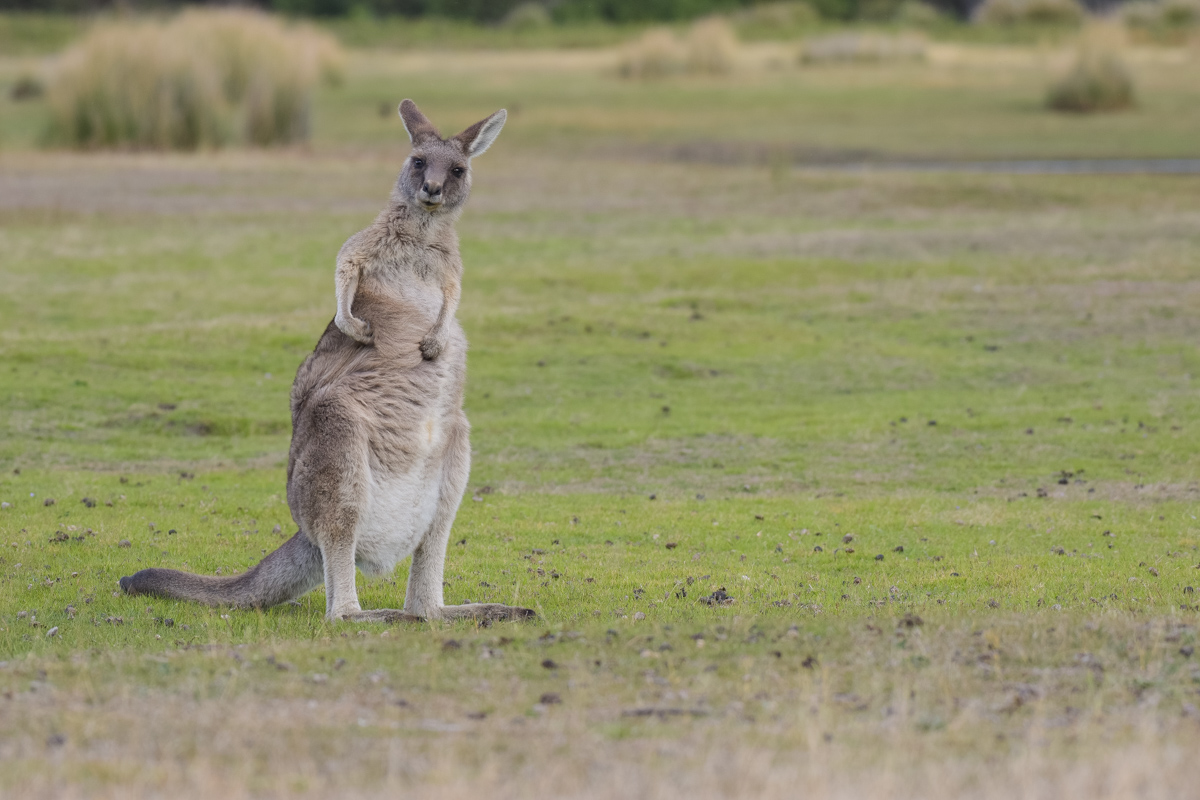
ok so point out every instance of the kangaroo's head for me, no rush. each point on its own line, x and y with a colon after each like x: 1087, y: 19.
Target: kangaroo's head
x: 436, y: 177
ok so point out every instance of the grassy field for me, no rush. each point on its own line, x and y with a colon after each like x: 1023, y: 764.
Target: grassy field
x: 933, y: 435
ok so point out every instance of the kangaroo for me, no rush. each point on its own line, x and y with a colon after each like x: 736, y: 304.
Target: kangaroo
x: 380, y: 456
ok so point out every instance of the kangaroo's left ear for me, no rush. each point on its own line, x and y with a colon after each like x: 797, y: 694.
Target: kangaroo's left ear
x: 419, y: 128
x: 479, y: 137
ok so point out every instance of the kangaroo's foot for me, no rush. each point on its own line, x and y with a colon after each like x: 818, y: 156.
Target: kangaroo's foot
x: 486, y: 611
x: 381, y: 615
x: 478, y: 611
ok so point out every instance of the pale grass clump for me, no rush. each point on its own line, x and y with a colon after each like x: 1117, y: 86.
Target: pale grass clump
x: 1098, y: 79
x: 129, y: 85
x: 656, y: 54
x: 1029, y: 12
x: 203, y: 79
x: 527, y: 17
x: 711, y: 47
x: 863, y: 48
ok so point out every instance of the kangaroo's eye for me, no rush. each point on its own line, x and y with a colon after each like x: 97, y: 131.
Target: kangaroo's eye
x: 458, y: 172
x: 418, y: 163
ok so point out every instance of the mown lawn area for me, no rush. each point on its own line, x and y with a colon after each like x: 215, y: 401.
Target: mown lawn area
x: 823, y: 482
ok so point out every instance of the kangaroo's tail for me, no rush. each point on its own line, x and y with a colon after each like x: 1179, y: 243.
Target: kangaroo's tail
x: 289, y: 572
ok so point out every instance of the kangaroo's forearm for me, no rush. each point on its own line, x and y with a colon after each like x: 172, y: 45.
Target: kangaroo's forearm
x: 451, y: 292
x: 435, y: 340
x: 346, y: 285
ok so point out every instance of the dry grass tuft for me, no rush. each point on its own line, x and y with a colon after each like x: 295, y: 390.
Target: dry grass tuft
x: 130, y: 85
x: 527, y: 17
x: 863, y: 48
x: 1098, y: 80
x: 203, y: 79
x: 1029, y: 12
x: 655, y: 55
x: 711, y: 47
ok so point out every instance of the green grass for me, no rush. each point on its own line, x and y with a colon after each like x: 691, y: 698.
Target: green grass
x: 399, y: 33
x: 986, y: 106
x: 761, y: 349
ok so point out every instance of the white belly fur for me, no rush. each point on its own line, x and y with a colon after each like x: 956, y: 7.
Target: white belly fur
x: 398, y: 512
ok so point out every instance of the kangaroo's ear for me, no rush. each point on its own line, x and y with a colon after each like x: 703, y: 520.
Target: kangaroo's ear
x: 479, y: 137
x: 417, y: 124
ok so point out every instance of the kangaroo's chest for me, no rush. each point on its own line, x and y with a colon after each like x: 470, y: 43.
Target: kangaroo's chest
x: 405, y: 274
x: 401, y: 257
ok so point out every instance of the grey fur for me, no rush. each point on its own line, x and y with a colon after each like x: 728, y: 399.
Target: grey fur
x: 378, y: 428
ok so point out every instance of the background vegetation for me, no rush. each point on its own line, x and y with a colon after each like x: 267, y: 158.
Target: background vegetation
x: 199, y: 80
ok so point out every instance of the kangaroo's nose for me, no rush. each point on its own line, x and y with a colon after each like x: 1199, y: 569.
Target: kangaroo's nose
x: 432, y: 188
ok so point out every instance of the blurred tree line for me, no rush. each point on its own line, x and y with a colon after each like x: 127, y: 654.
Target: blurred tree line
x: 494, y: 11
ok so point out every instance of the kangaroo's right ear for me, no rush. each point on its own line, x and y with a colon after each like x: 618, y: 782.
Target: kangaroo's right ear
x: 417, y: 125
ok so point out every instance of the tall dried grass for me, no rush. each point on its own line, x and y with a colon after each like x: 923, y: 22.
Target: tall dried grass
x: 130, y: 85
x: 1029, y: 12
x: 203, y: 79
x: 527, y: 17
x: 709, y: 48
x: 1098, y: 80
x: 656, y: 54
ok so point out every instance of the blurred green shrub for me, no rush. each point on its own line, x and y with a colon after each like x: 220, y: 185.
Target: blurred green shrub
x: 779, y: 15
x: 203, y: 79
x: 1181, y: 13
x: 917, y: 13
x: 1029, y: 12
x: 1161, y: 15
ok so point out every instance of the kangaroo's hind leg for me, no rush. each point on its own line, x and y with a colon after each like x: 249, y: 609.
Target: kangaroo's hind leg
x: 328, y: 490
x: 424, y: 596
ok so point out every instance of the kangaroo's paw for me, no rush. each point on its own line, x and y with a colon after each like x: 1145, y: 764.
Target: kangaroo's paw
x: 432, y: 346
x: 487, y: 611
x: 381, y: 615
x: 357, y: 329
